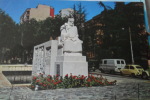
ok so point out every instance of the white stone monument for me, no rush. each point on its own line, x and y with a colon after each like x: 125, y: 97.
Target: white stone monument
x: 62, y: 56
x: 44, y: 58
x: 70, y: 61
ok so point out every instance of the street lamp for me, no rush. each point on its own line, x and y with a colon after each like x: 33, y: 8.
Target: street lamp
x: 131, y: 46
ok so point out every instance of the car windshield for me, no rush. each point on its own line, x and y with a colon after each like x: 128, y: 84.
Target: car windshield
x: 139, y: 67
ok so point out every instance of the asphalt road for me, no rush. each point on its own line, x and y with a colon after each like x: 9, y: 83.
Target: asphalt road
x: 119, y: 78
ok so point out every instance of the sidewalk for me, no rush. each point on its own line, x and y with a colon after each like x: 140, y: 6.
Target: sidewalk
x: 126, y: 89
x: 122, y: 91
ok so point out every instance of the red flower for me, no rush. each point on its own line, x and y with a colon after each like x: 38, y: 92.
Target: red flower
x: 48, y: 80
x: 92, y: 76
x: 55, y: 83
x: 110, y: 83
x: 89, y: 80
x: 100, y: 82
x: 44, y: 85
x: 41, y: 83
x: 32, y: 86
x: 77, y: 78
x: 34, y: 78
x: 74, y: 77
x: 66, y: 75
x: 57, y: 75
x: 49, y: 84
x: 59, y: 81
x: 49, y: 76
x: 57, y: 78
x: 52, y: 81
x: 37, y: 81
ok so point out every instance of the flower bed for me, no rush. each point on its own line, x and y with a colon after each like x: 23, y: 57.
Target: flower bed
x: 69, y: 81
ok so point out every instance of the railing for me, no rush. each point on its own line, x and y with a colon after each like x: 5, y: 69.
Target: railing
x: 20, y: 67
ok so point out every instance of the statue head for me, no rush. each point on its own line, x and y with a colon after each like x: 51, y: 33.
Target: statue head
x: 71, y: 21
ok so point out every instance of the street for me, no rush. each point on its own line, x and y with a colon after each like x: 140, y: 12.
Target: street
x: 119, y: 78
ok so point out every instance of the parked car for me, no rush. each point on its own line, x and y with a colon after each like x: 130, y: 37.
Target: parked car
x: 132, y: 70
x: 146, y: 74
x: 112, y: 65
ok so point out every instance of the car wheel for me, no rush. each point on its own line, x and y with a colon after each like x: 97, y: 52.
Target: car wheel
x: 144, y: 76
x: 132, y: 75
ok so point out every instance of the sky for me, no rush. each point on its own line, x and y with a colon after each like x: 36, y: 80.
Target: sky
x: 15, y: 8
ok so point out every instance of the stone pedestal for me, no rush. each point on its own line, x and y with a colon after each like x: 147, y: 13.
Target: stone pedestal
x: 75, y: 65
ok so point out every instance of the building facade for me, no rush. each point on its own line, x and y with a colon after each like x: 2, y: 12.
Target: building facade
x: 41, y: 12
x: 66, y: 12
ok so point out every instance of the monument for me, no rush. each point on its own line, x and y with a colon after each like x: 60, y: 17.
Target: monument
x: 69, y: 39
x: 65, y: 55
x: 44, y: 58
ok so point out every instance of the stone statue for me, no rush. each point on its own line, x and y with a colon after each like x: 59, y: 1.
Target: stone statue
x: 72, y: 45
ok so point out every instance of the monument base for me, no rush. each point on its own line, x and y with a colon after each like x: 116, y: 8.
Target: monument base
x: 75, y: 65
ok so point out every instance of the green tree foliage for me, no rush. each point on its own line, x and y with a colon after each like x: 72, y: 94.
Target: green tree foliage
x: 9, y: 36
x: 8, y: 30
x: 37, y: 32
x: 115, y: 39
x: 17, y: 40
x: 135, y: 19
x: 116, y: 31
x: 79, y: 15
x: 115, y: 24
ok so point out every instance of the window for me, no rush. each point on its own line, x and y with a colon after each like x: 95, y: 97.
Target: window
x: 139, y: 67
x: 122, y: 62
x: 110, y: 61
x: 28, y: 12
x: 131, y: 67
x: 126, y: 67
x: 118, y: 62
x: 105, y: 62
x: 27, y: 17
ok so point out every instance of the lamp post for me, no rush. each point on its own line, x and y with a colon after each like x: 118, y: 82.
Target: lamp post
x: 131, y: 47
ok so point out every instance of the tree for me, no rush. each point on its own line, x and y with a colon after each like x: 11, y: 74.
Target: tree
x: 106, y: 8
x: 116, y: 30
x: 135, y: 15
x: 37, y: 32
x: 114, y: 24
x: 79, y: 15
x: 8, y: 35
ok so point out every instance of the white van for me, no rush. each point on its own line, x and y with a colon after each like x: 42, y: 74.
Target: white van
x: 112, y: 65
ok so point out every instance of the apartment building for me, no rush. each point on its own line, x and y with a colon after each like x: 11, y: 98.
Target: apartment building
x: 41, y: 12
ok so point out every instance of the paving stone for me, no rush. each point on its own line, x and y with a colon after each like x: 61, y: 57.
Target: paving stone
x: 124, y: 91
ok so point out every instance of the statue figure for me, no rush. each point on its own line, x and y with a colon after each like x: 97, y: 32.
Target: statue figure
x: 69, y: 38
